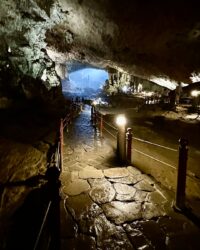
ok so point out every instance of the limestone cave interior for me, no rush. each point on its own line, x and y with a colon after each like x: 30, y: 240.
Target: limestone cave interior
x: 143, y: 48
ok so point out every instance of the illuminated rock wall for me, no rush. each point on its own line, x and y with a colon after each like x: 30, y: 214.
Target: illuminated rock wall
x: 154, y: 39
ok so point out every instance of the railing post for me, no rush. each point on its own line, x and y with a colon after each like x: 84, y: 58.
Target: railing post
x: 61, y: 143
x: 121, y: 143
x: 54, y: 211
x: 92, y: 113
x: 181, y: 175
x: 71, y: 115
x: 129, y: 145
x: 93, y: 116
x: 101, y: 125
x: 67, y: 123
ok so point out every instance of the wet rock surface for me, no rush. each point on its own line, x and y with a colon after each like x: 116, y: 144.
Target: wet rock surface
x: 120, y: 212
x: 76, y: 187
x: 86, y: 174
x: 102, y: 194
x: 119, y: 207
x: 116, y: 172
x: 110, y: 236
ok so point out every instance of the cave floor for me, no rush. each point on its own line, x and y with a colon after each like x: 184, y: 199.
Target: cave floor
x: 108, y: 206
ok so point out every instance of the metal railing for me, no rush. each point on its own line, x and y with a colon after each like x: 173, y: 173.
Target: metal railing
x: 54, y: 168
x: 103, y: 125
x: 154, y: 144
x: 151, y: 156
x: 46, y: 236
x: 181, y: 154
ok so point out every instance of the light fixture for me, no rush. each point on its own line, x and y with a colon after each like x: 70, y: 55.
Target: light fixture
x: 121, y: 120
x: 94, y: 103
x: 125, y: 89
x: 195, y: 93
x: 149, y: 94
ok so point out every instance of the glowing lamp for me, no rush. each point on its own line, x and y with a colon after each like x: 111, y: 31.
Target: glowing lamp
x: 125, y: 89
x: 94, y: 103
x: 121, y: 120
x: 195, y: 93
x: 149, y: 94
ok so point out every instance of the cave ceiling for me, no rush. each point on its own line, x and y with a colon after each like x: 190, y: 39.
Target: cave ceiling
x: 144, y: 38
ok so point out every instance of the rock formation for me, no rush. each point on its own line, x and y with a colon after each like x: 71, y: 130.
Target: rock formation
x: 142, y: 38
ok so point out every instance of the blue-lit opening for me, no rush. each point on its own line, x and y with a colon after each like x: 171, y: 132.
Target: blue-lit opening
x: 85, y: 81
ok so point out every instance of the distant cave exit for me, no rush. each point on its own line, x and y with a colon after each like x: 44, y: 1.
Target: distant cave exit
x: 83, y: 80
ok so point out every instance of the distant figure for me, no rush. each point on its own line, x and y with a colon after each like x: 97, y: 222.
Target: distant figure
x: 178, y: 93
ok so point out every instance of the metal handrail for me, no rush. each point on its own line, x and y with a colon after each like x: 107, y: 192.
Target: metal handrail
x: 110, y: 125
x: 153, y: 158
x: 181, y: 168
x: 42, y: 226
x: 143, y: 141
x: 66, y: 119
x: 154, y: 144
x: 98, y: 115
x: 109, y: 132
x: 189, y: 174
x: 139, y: 139
x: 56, y: 161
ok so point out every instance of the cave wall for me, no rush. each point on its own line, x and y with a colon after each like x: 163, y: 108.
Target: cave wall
x: 26, y: 70
x: 124, y: 83
x: 141, y: 38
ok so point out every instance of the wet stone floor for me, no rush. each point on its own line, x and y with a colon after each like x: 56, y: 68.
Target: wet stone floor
x: 107, y: 206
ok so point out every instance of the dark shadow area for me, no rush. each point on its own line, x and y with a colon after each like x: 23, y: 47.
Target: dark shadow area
x: 187, y: 211
x: 28, y: 219
x: 28, y: 124
x: 115, y: 161
x: 113, y: 158
x: 31, y: 182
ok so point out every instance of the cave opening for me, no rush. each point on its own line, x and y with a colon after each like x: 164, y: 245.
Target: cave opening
x: 83, y: 80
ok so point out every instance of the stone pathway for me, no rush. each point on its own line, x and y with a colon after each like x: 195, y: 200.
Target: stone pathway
x: 105, y: 206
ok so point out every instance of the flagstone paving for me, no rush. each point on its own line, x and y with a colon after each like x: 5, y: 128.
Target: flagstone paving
x: 107, y: 206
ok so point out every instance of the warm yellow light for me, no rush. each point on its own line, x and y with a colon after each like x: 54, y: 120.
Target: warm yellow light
x: 94, y: 103
x: 195, y: 93
x: 121, y: 120
x: 149, y: 93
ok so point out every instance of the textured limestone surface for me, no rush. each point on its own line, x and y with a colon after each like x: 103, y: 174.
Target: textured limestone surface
x: 116, y: 172
x: 76, y: 187
x: 157, y: 38
x: 102, y: 194
x: 86, y: 174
